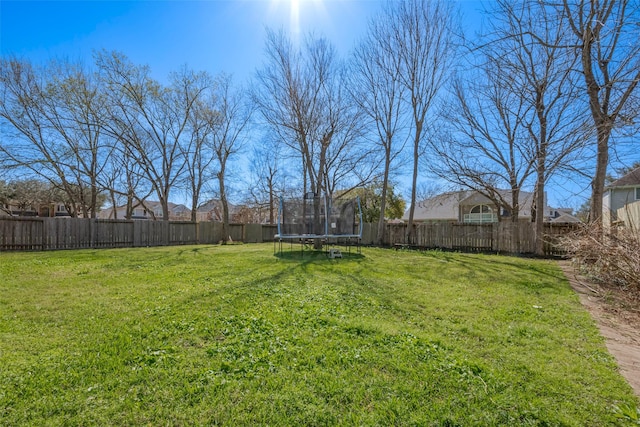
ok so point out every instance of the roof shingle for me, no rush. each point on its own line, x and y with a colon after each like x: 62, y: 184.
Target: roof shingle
x: 632, y: 178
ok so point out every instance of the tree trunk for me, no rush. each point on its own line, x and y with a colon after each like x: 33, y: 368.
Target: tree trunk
x: 113, y: 203
x: 383, y: 201
x: 414, y: 183
x: 194, y: 210
x: 225, y: 205
x: 271, y: 203
x: 597, y: 185
x: 539, y: 219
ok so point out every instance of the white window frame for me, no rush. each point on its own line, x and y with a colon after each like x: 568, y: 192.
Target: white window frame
x: 482, y: 217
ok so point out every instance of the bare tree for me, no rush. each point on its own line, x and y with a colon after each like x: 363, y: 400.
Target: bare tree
x: 378, y: 88
x: 487, y: 146
x: 302, y: 98
x: 526, y: 49
x: 424, y: 37
x: 605, y: 36
x: 151, y: 120
x: 268, y: 177
x: 124, y: 181
x: 228, y: 118
x: 54, y: 114
x: 197, y: 149
x: 77, y: 105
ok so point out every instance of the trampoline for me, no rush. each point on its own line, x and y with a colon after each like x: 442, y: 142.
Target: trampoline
x: 319, y: 222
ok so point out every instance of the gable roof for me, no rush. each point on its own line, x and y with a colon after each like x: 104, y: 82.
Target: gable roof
x: 630, y: 179
x: 445, y: 206
x: 565, y: 218
x: 525, y: 198
x: 178, y: 210
x: 441, y: 207
x: 213, y: 204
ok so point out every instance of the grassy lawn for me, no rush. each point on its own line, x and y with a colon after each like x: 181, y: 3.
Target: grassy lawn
x: 233, y: 335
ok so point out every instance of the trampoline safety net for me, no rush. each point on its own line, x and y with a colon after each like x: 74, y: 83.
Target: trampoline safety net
x: 320, y: 216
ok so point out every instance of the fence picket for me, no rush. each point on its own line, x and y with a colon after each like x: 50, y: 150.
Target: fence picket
x: 25, y: 234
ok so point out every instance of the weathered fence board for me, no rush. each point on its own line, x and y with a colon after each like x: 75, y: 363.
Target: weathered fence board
x: 236, y: 232
x: 18, y: 234
x: 113, y: 234
x: 183, y: 233
x: 269, y: 232
x: 21, y: 234
x: 209, y: 232
x: 252, y: 233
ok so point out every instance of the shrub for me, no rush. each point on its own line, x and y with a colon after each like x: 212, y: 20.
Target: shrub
x: 609, y: 256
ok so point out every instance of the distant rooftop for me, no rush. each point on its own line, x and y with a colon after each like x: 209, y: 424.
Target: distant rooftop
x: 632, y: 178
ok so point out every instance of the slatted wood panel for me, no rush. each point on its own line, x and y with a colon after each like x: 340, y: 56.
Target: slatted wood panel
x: 236, y: 232
x: 21, y: 234
x: 113, y: 233
x: 75, y: 233
x: 183, y: 233
x: 269, y: 232
x: 369, y: 233
x: 67, y: 233
x: 209, y: 233
x: 506, y: 237
x: 252, y: 233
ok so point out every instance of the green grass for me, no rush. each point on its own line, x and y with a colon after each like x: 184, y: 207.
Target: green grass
x: 232, y: 335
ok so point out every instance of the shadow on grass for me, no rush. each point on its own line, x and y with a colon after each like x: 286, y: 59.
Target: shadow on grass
x: 522, y: 271
x: 308, y: 256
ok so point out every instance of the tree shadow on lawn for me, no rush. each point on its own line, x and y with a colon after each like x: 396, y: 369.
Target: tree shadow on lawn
x: 316, y: 256
x: 520, y: 271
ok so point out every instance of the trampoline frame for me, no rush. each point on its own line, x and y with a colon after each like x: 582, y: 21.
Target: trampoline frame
x: 330, y: 240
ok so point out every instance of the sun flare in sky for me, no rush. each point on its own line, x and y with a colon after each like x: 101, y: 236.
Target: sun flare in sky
x: 312, y: 10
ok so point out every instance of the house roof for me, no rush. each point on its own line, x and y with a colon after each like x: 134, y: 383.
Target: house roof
x: 565, y: 218
x: 174, y: 208
x: 212, y: 204
x: 525, y: 199
x: 441, y: 207
x: 629, y: 180
x: 445, y: 206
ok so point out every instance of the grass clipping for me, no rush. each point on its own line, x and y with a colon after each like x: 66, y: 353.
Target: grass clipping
x: 608, y: 256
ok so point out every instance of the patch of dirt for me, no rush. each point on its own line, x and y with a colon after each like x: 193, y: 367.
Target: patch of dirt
x: 617, y: 314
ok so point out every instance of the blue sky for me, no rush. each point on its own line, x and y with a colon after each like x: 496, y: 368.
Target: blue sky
x: 212, y: 35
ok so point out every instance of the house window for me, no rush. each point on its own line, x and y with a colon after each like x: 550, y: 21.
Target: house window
x: 637, y: 193
x: 480, y: 214
x: 480, y: 209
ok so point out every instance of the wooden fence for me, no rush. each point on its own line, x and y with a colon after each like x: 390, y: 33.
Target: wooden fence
x: 507, y: 237
x: 32, y: 234
x: 630, y: 215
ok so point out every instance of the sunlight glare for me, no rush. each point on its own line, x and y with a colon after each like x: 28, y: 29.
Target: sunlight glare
x: 299, y: 9
x: 295, y: 17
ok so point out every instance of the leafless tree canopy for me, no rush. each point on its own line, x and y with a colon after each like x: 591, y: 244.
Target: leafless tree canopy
x: 548, y: 89
x: 301, y: 95
x: 423, y: 33
x: 520, y: 120
x: 378, y: 88
x: 604, y: 35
